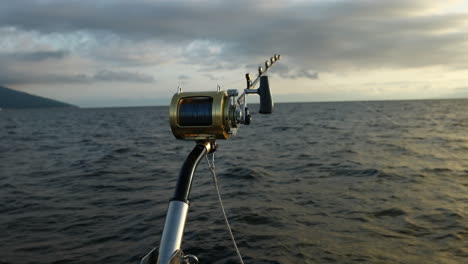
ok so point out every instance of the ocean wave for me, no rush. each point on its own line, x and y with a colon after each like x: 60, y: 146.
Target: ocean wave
x: 349, y: 187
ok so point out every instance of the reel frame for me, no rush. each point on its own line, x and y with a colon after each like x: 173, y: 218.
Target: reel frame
x: 192, y: 118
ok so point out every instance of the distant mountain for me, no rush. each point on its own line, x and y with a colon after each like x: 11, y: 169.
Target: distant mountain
x: 15, y: 99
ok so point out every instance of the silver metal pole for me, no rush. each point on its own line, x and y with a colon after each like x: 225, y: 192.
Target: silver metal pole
x: 173, y: 232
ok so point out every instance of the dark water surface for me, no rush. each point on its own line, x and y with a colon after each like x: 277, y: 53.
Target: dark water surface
x: 370, y: 182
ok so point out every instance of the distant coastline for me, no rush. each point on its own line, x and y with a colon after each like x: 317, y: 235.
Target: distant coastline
x: 12, y: 99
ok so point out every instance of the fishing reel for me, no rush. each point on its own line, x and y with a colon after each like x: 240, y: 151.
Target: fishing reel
x: 207, y: 116
x: 203, y: 117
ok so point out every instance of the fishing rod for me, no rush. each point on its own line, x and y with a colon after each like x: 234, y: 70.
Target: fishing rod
x: 204, y: 117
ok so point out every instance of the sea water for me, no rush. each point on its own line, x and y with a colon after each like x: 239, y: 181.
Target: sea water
x: 354, y: 182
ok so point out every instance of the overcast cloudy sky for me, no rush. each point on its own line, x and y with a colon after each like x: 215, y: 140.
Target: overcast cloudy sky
x: 112, y: 53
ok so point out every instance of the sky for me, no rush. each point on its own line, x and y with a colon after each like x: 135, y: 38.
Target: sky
x: 132, y: 53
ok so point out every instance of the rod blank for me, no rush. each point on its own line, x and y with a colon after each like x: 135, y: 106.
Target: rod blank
x: 268, y: 63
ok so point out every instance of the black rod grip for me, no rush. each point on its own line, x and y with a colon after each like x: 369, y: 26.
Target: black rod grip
x: 266, y: 101
x: 184, y: 183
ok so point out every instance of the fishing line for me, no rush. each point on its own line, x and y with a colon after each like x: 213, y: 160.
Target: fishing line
x: 211, y: 166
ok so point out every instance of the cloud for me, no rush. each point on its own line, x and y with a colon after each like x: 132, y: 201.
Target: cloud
x: 183, y: 77
x: 285, y: 72
x: 10, y: 78
x: 13, y: 78
x: 122, y: 76
x: 211, y: 77
x: 36, y: 56
x: 214, y: 36
x: 8, y: 58
x: 308, y: 74
x: 325, y: 35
